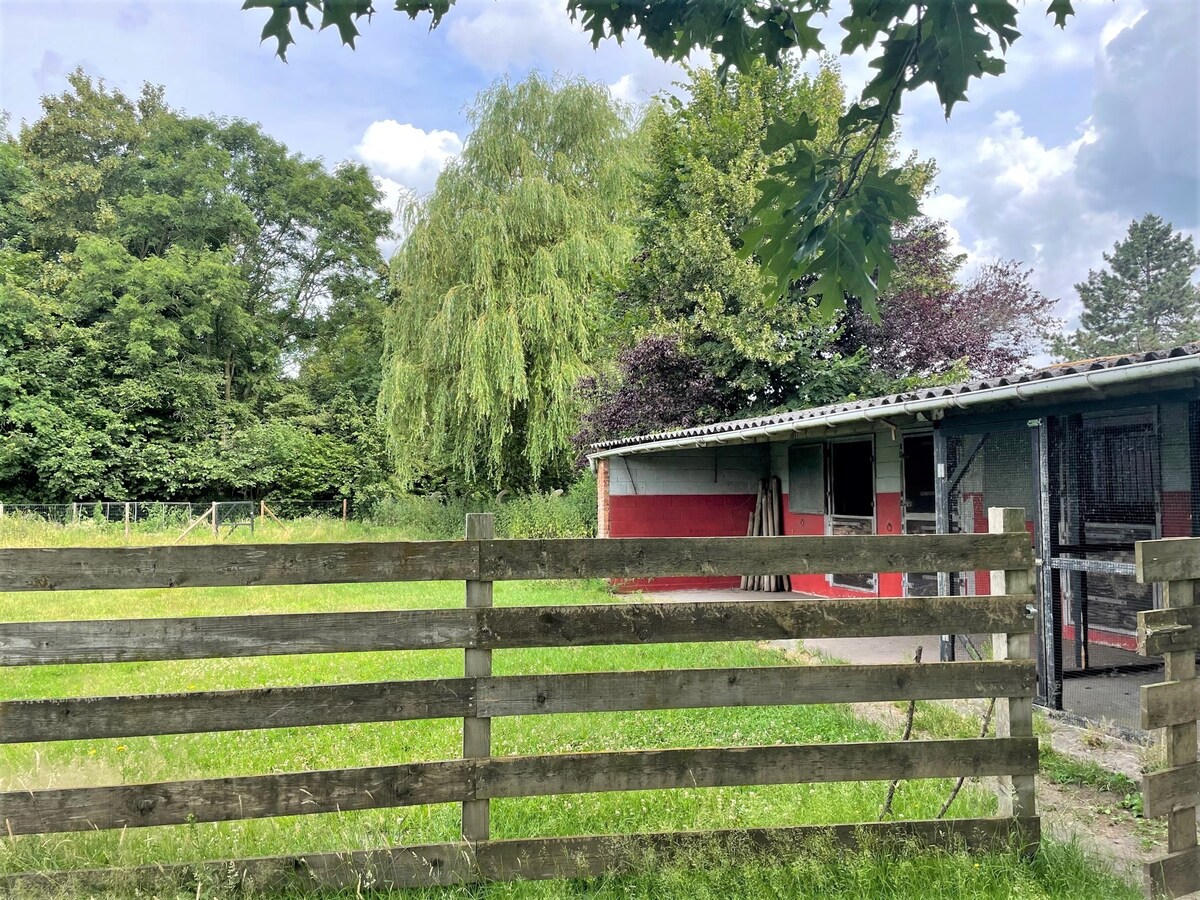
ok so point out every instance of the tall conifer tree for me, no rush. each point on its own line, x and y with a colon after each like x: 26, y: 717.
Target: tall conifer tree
x: 1144, y: 300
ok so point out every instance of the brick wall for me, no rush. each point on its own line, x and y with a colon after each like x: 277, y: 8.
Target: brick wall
x: 603, y: 500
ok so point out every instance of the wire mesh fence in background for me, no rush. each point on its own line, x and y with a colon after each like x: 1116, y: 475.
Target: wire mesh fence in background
x: 155, y: 514
x: 309, y: 509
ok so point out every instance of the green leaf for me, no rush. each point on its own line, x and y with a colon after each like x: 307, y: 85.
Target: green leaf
x: 1061, y: 10
x: 962, y: 47
x: 806, y: 35
x: 1001, y: 17
x: 782, y: 134
x: 886, y: 189
x: 868, y: 18
x: 342, y: 14
x: 278, y: 25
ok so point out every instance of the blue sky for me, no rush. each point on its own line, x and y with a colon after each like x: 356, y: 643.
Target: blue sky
x: 1089, y: 128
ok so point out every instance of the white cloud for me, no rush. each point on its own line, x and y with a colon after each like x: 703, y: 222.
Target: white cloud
x: 1126, y: 18
x: 515, y: 36
x: 623, y: 89
x: 497, y: 37
x: 407, y: 155
x: 1146, y: 115
x: 395, y: 197
x: 1023, y: 161
x: 1010, y: 195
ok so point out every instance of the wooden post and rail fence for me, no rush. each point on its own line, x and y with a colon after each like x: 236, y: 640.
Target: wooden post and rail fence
x: 1173, y: 633
x: 480, y: 629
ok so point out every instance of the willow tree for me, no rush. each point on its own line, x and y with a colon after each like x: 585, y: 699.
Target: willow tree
x: 499, y: 285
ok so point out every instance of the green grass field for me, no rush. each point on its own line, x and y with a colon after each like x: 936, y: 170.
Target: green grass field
x: 1059, y: 871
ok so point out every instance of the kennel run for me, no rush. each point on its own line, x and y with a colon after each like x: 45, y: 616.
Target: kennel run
x: 1100, y: 453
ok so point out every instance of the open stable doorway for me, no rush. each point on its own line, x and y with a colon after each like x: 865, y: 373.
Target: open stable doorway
x: 917, y: 504
x: 852, y: 498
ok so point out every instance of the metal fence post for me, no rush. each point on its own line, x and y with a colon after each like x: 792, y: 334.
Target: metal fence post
x: 477, y: 731
x: 1014, y: 715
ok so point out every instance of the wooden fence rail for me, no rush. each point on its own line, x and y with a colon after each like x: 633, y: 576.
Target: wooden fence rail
x: 1174, y: 633
x: 480, y: 775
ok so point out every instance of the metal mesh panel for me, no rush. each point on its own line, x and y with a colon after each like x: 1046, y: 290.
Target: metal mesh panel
x: 1106, y: 490
x: 1093, y: 483
x: 993, y: 467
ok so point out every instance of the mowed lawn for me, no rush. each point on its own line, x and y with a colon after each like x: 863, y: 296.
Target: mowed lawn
x: 1059, y: 871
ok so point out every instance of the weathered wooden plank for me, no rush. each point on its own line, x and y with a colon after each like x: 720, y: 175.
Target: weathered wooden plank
x: 99, y: 568
x: 1168, y: 559
x: 525, y: 695
x: 1175, y: 875
x: 303, y: 793
x: 1170, y: 789
x: 850, y: 554
x: 592, y: 856
x: 1170, y: 703
x: 755, y: 620
x: 437, y: 865
x: 200, y: 637
x: 638, y: 770
x: 1179, y: 740
x: 86, y: 718
x: 241, y: 797
x: 234, y: 565
x: 392, y: 868
x: 1162, y: 631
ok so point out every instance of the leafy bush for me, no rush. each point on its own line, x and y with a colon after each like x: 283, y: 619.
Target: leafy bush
x: 434, y: 517
x: 428, y: 518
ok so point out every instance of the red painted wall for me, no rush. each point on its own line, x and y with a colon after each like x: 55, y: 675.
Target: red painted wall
x: 887, y: 521
x: 726, y: 515
x: 1176, y: 514
x: 1104, y: 638
x: 679, y: 515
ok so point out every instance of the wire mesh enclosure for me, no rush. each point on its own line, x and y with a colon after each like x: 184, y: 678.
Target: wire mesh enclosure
x: 1094, y: 483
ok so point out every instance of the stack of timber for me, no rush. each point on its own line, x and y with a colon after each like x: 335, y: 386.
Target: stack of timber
x: 767, y: 521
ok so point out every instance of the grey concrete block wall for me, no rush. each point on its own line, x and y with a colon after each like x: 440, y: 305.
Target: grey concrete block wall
x: 888, y: 467
x: 1176, y: 447
x: 735, y: 469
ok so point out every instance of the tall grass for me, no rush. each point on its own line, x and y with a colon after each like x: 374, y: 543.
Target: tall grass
x: 539, y: 515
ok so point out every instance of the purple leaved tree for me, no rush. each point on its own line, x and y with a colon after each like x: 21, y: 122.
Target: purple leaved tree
x: 657, y: 387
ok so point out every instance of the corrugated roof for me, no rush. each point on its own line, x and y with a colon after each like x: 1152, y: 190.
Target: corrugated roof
x: 947, y: 392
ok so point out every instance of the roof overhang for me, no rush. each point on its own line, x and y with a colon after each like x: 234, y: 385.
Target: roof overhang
x: 931, y: 408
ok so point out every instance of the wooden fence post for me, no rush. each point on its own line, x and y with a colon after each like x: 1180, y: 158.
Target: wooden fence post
x: 1180, y: 738
x: 477, y: 731
x: 345, y: 509
x: 127, y: 521
x: 1173, y: 706
x: 1014, y: 715
x: 216, y: 525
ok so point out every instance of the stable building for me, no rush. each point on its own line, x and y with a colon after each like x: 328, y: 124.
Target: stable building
x: 1100, y: 453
